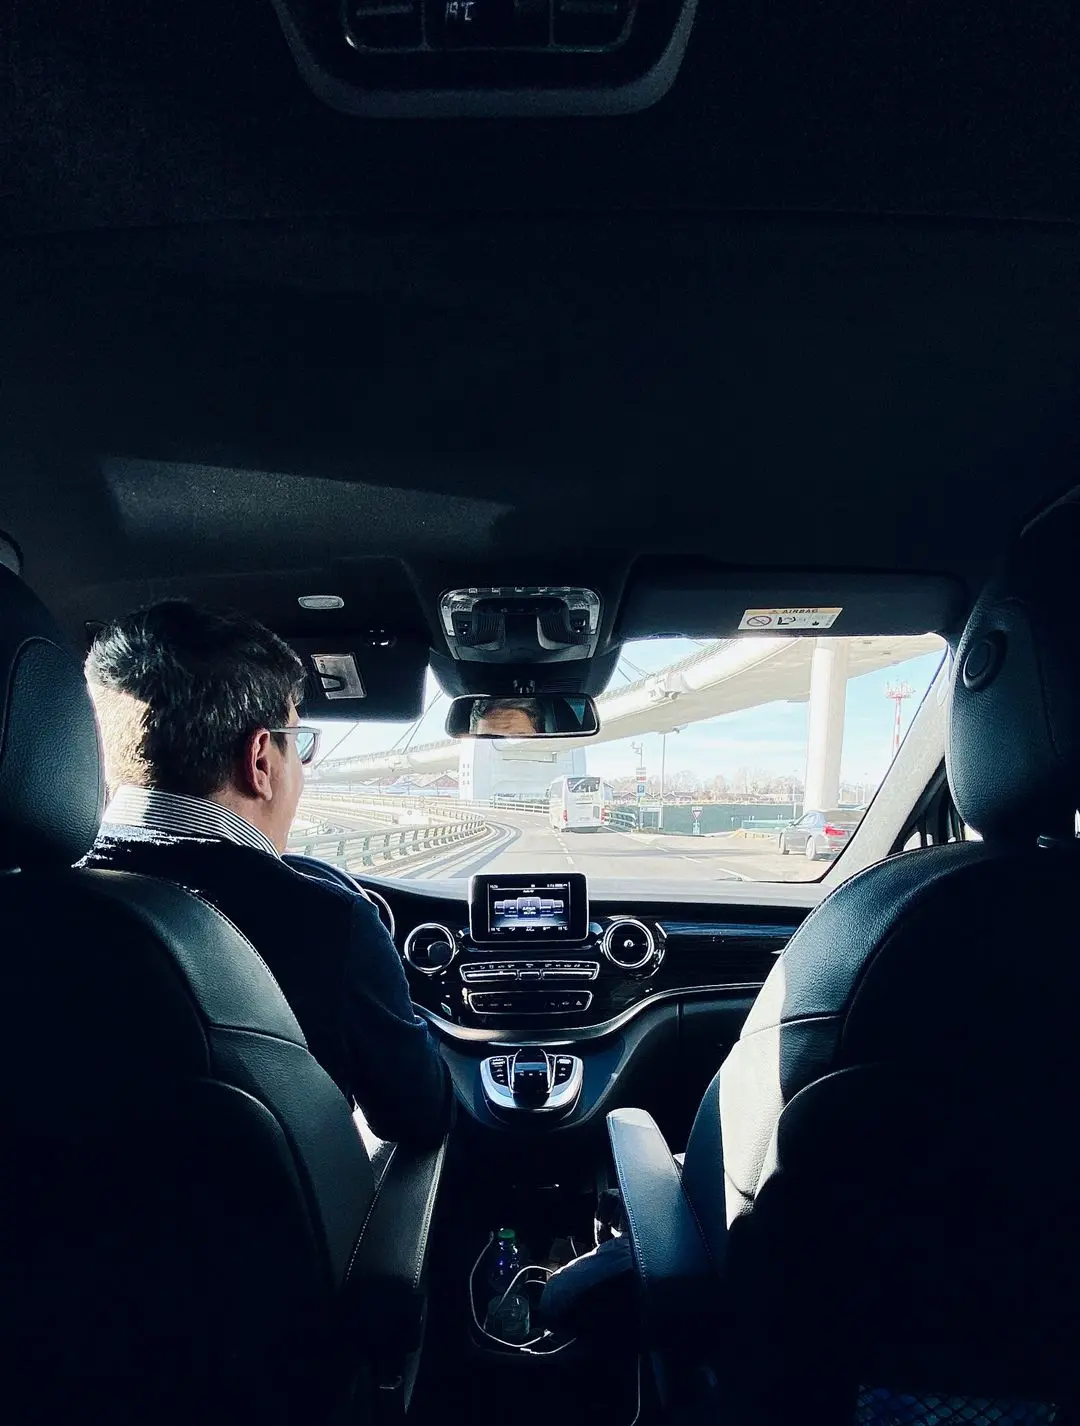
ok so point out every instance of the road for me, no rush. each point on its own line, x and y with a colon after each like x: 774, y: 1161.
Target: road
x: 525, y: 843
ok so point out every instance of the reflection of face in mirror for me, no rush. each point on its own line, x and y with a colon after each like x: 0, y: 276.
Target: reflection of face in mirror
x: 507, y: 718
x: 537, y: 716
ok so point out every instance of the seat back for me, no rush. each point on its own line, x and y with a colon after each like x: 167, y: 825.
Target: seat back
x: 184, y: 1186
x: 901, y: 1185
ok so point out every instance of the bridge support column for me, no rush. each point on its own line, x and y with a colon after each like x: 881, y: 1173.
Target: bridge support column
x: 465, y: 769
x: 825, y: 727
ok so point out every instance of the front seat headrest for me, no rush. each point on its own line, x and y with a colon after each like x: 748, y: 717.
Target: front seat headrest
x: 1012, y: 748
x: 51, y: 786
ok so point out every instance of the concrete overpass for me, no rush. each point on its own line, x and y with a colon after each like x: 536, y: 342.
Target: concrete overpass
x: 726, y: 676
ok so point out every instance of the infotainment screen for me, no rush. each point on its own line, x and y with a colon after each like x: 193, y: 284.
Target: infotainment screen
x: 507, y: 909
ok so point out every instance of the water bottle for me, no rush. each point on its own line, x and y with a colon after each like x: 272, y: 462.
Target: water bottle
x: 507, y: 1314
x: 506, y: 1263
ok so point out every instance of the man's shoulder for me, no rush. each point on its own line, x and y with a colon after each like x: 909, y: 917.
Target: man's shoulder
x: 214, y: 864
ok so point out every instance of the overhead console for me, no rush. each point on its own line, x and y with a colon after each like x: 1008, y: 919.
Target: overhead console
x: 531, y: 623
x: 433, y: 58
x: 522, y: 640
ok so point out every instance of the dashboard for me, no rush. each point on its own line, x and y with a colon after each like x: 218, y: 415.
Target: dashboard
x: 534, y: 957
x: 552, y: 1007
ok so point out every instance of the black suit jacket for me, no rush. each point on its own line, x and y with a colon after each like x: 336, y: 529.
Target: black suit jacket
x: 333, y: 960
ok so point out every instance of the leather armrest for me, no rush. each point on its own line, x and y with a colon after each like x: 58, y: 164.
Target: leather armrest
x: 386, y: 1276
x: 675, y: 1272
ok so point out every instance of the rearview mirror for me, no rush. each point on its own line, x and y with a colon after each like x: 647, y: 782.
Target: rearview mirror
x: 481, y: 716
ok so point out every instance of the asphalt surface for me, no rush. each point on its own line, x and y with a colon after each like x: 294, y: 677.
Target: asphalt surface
x: 525, y: 843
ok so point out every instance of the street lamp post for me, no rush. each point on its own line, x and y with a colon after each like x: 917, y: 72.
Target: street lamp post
x: 638, y: 750
x: 663, y: 769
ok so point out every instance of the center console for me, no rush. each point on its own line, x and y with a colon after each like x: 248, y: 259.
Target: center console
x: 532, y: 957
x: 551, y: 1008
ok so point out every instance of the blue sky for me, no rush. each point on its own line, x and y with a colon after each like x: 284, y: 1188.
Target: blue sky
x: 770, y: 738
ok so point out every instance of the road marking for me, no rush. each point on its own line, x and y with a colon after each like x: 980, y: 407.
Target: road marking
x: 570, y: 859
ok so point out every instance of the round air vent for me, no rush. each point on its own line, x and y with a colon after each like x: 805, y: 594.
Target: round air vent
x: 430, y: 948
x: 629, y: 944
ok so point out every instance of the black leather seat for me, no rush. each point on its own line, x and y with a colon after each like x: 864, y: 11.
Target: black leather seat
x: 190, y: 1226
x: 878, y: 1218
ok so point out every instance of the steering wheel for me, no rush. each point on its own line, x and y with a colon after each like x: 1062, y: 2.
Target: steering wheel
x: 312, y: 866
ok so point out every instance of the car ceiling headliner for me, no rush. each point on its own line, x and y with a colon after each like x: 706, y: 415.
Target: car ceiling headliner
x: 242, y: 334
x: 802, y: 395
x: 133, y: 114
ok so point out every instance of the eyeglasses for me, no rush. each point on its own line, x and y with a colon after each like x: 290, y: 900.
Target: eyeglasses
x: 307, y: 740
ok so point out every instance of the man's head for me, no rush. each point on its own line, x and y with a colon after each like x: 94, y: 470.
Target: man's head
x: 189, y: 700
x: 506, y: 717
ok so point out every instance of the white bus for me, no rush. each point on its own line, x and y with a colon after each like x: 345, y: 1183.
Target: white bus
x: 579, y: 804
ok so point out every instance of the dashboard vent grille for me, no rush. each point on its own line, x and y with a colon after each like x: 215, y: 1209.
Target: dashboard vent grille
x: 734, y: 955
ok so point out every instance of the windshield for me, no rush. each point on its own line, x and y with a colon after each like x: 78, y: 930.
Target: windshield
x: 745, y: 759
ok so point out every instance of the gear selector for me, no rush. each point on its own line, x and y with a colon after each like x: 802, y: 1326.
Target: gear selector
x: 530, y: 1076
x: 530, y: 1080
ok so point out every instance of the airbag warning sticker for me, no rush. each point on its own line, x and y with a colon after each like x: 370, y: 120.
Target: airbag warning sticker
x: 789, y: 618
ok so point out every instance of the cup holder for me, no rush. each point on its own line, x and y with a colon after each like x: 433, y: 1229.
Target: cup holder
x: 527, y: 1283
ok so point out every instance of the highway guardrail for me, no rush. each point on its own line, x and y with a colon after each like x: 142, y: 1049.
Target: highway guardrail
x: 356, y: 850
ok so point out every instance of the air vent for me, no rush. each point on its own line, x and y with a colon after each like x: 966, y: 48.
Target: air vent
x: 430, y: 948
x: 629, y: 944
x: 726, y: 954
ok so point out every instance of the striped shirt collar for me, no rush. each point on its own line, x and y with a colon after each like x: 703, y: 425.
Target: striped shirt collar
x: 182, y: 816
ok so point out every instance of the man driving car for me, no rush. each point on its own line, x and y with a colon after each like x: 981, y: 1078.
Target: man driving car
x: 204, y: 761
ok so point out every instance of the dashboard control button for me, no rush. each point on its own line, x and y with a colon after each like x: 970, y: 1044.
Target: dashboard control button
x: 529, y: 975
x: 527, y: 1002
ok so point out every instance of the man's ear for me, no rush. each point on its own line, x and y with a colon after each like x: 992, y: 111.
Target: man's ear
x: 253, y: 770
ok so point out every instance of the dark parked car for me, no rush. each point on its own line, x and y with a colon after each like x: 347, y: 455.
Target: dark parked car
x: 821, y: 834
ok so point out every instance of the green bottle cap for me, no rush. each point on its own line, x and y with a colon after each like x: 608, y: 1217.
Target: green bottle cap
x: 506, y: 1235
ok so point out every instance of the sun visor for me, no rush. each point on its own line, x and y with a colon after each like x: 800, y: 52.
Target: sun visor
x: 663, y: 601
x: 376, y: 677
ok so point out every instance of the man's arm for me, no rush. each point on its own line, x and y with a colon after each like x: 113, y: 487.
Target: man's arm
x: 398, y: 1076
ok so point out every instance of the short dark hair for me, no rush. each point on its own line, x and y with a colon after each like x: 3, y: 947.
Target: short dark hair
x: 484, y: 707
x: 179, y: 688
